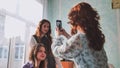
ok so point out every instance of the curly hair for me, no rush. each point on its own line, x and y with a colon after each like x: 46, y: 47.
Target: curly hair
x: 87, y: 18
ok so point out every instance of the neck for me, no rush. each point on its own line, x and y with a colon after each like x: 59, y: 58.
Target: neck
x: 79, y: 29
x: 42, y: 35
x: 38, y: 35
x: 37, y: 63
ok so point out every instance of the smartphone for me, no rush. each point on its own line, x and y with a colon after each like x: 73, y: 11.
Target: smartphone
x: 59, y: 24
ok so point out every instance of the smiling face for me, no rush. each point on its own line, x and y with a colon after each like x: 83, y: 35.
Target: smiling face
x: 41, y: 54
x: 45, y: 28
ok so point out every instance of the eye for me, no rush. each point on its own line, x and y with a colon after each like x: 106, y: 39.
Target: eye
x: 39, y: 51
x: 45, y: 52
x: 48, y: 26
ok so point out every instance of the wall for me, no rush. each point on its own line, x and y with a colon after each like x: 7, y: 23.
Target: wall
x: 58, y: 9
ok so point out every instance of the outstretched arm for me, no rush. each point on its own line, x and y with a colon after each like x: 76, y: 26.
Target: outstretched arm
x: 67, y: 48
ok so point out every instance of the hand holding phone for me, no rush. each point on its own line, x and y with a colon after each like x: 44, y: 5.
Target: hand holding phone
x: 59, y: 24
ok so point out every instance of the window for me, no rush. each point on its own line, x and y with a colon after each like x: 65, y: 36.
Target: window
x: 3, y: 52
x: 19, y: 52
x: 1, y: 49
x: 30, y: 10
x: 16, y: 52
x: 21, y: 16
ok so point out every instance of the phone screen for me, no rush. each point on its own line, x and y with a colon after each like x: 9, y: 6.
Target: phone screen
x: 59, y: 24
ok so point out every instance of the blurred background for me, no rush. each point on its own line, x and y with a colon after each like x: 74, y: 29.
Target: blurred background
x: 19, y: 19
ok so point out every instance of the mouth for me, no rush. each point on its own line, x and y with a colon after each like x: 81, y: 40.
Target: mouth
x: 43, y: 56
x: 46, y: 30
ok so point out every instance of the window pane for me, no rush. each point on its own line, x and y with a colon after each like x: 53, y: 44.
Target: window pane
x: 9, y: 5
x: 21, y: 52
x: 14, y: 27
x: 5, y: 53
x: 31, y: 10
x: 1, y: 49
x: 17, y: 18
x: 16, y: 52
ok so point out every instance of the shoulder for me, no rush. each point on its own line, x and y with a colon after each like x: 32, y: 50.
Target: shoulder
x: 75, y: 37
x: 32, y: 37
x: 28, y: 65
x: 79, y: 39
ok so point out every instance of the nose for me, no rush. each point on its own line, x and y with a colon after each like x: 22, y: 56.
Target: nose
x: 43, y: 53
x: 46, y: 28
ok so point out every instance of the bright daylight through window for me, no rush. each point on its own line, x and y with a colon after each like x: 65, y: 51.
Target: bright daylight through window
x: 18, y: 19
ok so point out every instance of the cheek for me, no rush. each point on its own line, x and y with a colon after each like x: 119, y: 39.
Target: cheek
x: 40, y: 55
x: 47, y: 28
x: 42, y: 28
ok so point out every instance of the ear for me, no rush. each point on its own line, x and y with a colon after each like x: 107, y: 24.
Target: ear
x: 78, y: 27
x: 75, y: 27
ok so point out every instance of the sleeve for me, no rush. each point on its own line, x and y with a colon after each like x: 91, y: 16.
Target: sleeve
x: 67, y: 48
x: 26, y: 65
x: 32, y: 41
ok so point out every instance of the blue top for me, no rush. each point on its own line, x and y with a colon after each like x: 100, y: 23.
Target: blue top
x: 77, y: 49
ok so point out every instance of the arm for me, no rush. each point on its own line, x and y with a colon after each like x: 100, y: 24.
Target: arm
x: 67, y: 48
x: 33, y: 41
x: 27, y: 65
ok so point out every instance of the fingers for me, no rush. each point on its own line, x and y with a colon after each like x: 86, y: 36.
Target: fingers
x: 57, y: 29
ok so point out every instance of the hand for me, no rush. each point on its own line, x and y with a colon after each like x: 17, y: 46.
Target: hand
x: 61, y: 32
x: 36, y: 63
x: 65, y: 33
x: 57, y: 32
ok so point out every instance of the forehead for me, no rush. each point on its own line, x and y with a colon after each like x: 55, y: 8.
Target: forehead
x: 46, y: 23
x: 42, y: 48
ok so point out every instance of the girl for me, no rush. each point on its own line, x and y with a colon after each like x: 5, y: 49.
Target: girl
x: 86, y: 45
x: 37, y: 57
x: 43, y: 34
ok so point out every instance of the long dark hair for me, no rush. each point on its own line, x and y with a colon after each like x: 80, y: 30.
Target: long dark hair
x: 47, y: 39
x: 48, y: 34
x: 87, y: 18
x: 33, y: 55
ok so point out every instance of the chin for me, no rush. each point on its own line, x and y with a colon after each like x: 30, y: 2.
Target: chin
x: 42, y: 58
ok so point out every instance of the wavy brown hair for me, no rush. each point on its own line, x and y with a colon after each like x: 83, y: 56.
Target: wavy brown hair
x: 33, y: 55
x: 39, y: 29
x: 87, y: 18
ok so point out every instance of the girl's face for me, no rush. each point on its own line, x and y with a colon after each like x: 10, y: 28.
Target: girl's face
x: 45, y: 27
x: 41, y: 54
